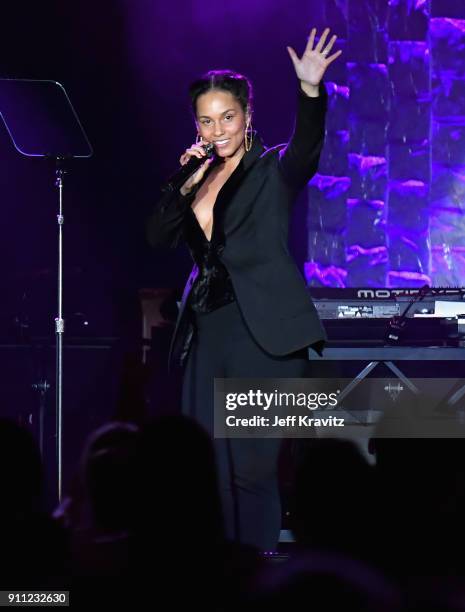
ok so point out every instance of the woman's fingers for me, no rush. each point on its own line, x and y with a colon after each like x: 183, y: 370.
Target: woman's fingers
x: 199, y: 146
x: 197, y: 176
x: 311, y: 41
x: 195, y: 150
x: 203, y: 168
x: 329, y: 46
x: 293, y: 54
x: 319, y: 47
x: 322, y: 41
x: 334, y: 56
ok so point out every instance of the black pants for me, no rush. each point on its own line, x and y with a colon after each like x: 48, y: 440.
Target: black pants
x: 224, y: 348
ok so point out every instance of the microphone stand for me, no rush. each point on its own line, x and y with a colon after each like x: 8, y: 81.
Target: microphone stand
x: 24, y: 105
x: 60, y: 171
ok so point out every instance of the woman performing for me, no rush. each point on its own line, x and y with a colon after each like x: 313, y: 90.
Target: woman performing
x: 246, y: 311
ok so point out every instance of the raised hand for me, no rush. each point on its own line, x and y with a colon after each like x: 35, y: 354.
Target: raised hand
x: 311, y: 67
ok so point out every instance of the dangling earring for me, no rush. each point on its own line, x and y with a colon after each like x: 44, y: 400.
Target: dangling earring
x: 198, y: 140
x: 248, y: 136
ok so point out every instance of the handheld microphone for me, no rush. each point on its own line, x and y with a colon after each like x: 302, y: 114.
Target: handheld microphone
x: 181, y: 175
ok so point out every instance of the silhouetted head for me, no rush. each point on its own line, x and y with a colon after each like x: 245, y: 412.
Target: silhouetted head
x: 333, y: 487
x: 178, y: 482
x: 108, y: 464
x: 325, y: 582
x: 21, y: 478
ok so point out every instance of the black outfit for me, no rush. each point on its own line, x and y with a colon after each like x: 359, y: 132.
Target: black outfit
x: 246, y: 311
x: 224, y: 348
x: 212, y: 287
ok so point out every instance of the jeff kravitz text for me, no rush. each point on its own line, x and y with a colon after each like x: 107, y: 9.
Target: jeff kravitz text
x: 288, y: 421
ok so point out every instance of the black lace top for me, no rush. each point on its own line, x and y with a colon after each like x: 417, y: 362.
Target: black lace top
x: 212, y: 287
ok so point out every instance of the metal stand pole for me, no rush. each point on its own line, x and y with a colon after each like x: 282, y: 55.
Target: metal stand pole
x: 59, y: 330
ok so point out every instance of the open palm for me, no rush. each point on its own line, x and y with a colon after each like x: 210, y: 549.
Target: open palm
x: 311, y: 67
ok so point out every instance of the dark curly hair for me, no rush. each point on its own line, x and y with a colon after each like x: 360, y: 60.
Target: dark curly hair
x: 224, y: 80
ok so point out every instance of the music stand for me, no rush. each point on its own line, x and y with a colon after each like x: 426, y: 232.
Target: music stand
x: 42, y: 122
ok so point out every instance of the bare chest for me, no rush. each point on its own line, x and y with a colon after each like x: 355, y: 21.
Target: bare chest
x: 205, y: 202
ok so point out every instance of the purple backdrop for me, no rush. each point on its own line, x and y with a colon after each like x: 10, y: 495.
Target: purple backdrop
x: 387, y: 208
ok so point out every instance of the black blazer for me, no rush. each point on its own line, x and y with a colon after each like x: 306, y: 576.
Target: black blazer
x: 250, y: 233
